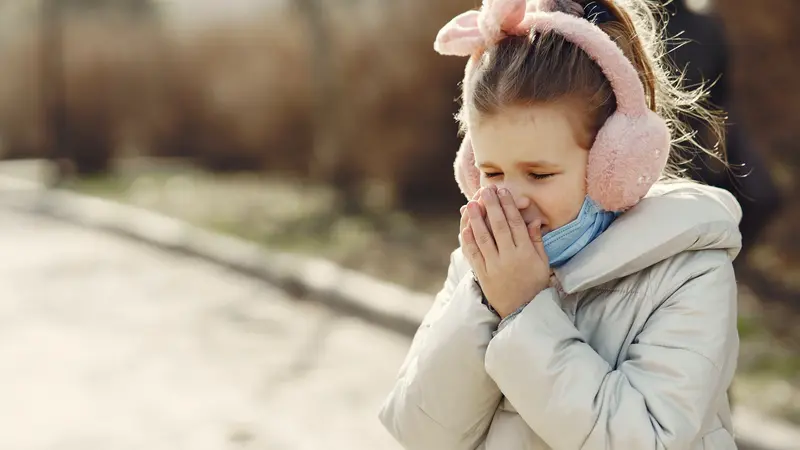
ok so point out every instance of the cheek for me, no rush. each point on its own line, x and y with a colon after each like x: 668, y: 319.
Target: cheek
x: 561, y: 201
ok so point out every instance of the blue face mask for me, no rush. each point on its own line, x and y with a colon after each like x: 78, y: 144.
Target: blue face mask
x: 566, y: 241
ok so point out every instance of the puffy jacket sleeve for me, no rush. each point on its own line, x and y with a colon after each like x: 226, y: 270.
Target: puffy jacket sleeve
x: 443, y: 398
x: 676, y: 370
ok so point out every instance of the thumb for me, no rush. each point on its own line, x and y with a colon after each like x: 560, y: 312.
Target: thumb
x: 535, y: 232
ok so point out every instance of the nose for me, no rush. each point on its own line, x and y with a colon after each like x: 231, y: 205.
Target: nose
x: 520, y: 199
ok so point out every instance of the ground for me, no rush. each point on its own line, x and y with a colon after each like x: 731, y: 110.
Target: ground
x: 108, y: 344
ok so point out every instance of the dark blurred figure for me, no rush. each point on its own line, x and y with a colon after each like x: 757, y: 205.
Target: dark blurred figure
x: 701, y: 49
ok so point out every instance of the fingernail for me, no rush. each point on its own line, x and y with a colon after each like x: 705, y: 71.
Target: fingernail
x: 463, y: 208
x: 487, y: 194
x: 503, y: 192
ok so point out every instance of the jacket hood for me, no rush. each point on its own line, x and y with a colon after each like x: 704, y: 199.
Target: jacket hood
x: 673, y: 218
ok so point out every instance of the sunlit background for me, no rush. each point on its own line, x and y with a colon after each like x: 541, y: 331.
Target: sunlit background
x: 325, y: 127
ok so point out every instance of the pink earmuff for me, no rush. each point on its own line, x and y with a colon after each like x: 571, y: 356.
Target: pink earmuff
x: 631, y: 149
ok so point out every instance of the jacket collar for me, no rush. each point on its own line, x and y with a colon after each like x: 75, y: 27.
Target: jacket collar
x: 674, y: 217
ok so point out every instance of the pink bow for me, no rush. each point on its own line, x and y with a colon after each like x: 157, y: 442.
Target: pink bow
x: 472, y: 31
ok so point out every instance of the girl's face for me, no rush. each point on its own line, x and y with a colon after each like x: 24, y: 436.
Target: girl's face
x: 534, y: 152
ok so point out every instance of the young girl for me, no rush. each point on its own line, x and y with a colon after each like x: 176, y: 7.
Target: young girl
x: 592, y: 303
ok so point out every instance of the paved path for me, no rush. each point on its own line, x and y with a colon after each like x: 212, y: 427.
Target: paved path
x: 106, y: 344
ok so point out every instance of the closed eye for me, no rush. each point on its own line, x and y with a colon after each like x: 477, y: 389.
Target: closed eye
x: 541, y: 176
x: 492, y: 174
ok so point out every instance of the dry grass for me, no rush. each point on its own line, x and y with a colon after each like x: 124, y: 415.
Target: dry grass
x: 292, y: 215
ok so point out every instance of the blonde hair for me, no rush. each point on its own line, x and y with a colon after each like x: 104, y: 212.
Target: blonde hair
x: 545, y: 68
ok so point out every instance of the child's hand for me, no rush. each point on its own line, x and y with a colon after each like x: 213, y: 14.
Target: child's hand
x: 509, y: 262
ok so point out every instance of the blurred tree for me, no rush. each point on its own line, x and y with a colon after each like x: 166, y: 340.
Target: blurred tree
x: 328, y: 113
x: 136, y: 7
x: 52, y: 86
x: 75, y: 149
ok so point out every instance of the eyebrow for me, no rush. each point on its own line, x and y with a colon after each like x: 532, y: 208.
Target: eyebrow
x: 522, y: 164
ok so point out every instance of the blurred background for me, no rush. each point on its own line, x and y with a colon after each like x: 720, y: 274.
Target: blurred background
x: 326, y: 127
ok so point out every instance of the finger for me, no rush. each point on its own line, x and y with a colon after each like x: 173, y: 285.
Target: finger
x: 471, y: 251
x: 497, y: 220
x: 535, y: 232
x: 483, y: 238
x: 465, y: 214
x: 519, y: 232
x: 477, y: 198
x: 464, y: 223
